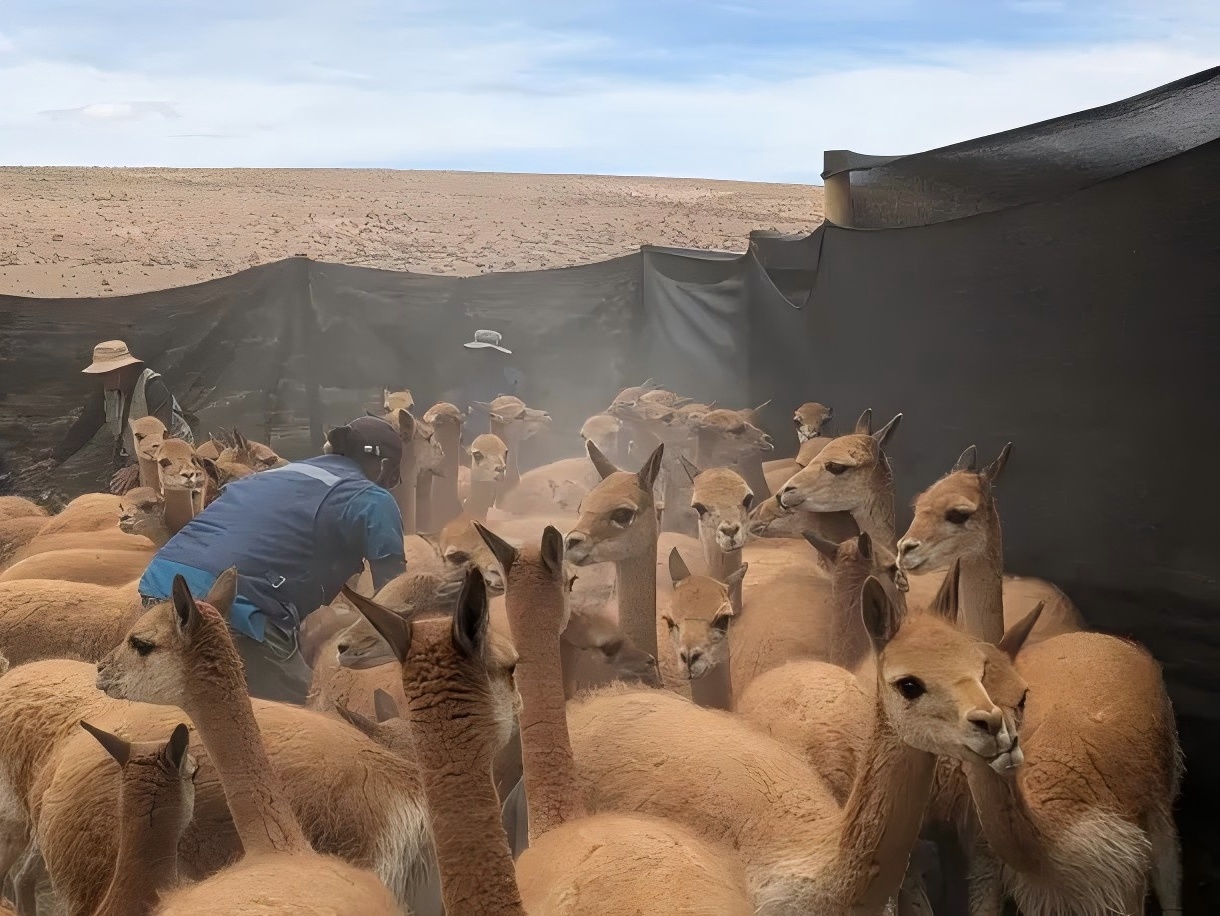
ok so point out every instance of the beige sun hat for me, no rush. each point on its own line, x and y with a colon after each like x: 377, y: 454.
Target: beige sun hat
x: 487, y: 339
x: 110, y: 355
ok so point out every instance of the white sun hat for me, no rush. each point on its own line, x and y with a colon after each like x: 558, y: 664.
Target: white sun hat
x: 110, y: 355
x: 487, y: 339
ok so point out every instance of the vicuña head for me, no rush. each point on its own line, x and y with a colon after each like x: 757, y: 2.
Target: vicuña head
x: 955, y: 517
x: 810, y: 419
x: 618, y: 518
x: 140, y: 512
x: 488, y: 458
x: 175, y: 649
x: 699, y: 617
x: 842, y: 477
x: 723, y: 501
x: 451, y: 659
x: 944, y: 691
x: 147, y: 433
x: 179, y: 466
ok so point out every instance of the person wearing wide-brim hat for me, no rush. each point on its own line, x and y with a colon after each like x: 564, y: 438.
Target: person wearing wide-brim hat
x: 129, y: 390
x: 486, y: 372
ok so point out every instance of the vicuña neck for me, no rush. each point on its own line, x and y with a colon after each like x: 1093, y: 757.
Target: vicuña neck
x: 150, y: 474
x: 636, y: 584
x: 707, y: 449
x: 750, y: 466
x: 720, y: 563
x: 1006, y: 819
x: 982, y: 587
x: 551, y: 788
x: 475, y: 863
x: 404, y: 493
x: 848, y: 644
x: 445, y: 503
x: 146, y: 865
x: 482, y: 497
x: 876, y: 516
x: 224, y: 718
x: 881, y: 820
x: 510, y: 435
x: 715, y: 689
x: 179, y: 508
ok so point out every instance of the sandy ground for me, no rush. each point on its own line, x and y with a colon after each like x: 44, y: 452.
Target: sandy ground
x: 95, y: 232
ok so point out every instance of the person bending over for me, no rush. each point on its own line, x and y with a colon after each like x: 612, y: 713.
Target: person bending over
x: 129, y: 390
x: 296, y: 534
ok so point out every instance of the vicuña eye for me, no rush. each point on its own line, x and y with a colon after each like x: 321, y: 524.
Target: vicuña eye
x: 622, y: 517
x: 911, y: 688
x: 957, y: 516
x: 835, y: 468
x: 748, y: 501
x: 699, y: 507
x: 142, y: 648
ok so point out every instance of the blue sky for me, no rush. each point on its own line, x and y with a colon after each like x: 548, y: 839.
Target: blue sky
x: 717, y: 88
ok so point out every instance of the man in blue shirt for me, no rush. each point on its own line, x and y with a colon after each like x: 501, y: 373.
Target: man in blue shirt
x: 296, y: 534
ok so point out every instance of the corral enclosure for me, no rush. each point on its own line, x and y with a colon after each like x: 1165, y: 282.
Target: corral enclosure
x: 992, y: 291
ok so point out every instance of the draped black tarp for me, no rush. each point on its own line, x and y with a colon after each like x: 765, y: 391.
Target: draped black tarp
x: 1033, y: 163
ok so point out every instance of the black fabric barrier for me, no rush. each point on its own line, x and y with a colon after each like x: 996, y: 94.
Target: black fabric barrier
x: 1037, y: 162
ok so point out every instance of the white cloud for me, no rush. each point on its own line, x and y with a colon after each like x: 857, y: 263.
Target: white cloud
x: 113, y: 111
x: 522, y: 100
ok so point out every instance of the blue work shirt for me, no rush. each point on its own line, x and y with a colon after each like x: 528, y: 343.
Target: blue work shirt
x: 296, y: 534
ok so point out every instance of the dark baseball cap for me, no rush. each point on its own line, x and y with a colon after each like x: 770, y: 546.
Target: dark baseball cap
x: 373, y: 437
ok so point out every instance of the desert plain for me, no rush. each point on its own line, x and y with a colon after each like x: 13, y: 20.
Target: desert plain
x: 67, y: 232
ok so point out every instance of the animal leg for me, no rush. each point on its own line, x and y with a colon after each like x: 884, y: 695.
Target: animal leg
x: 28, y: 875
x: 14, y: 835
x: 986, y: 882
x: 1166, y: 864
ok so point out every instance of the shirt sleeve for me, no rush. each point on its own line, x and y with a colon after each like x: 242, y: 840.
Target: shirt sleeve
x: 84, y: 429
x: 372, y: 517
x: 160, y: 404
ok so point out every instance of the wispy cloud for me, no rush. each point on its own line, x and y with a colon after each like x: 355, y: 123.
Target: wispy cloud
x: 680, y: 87
x: 113, y: 111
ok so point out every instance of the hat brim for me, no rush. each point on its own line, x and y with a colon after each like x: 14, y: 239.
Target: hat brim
x: 109, y: 365
x: 479, y: 345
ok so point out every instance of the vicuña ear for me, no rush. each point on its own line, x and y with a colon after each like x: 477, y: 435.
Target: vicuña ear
x: 223, y: 591
x: 186, y: 612
x: 115, y: 746
x: 947, y: 602
x: 471, y: 620
x: 828, y: 549
x: 175, y: 749
x: 883, y: 435
x: 392, y: 628
x: 864, y: 426
x: 357, y: 721
x: 734, y: 581
x: 880, y: 615
x: 503, y: 551
x: 384, y: 706
x: 968, y: 461
x: 652, y: 468
x: 1015, y: 638
x: 992, y: 472
x: 689, y: 466
x: 605, y: 467
x: 864, y: 544
x: 678, y: 570
x: 406, y: 424
x: 552, y: 550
